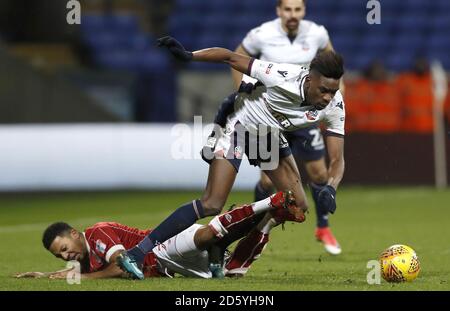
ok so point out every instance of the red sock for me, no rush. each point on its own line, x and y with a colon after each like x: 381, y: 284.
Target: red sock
x: 247, y: 251
x: 236, y: 216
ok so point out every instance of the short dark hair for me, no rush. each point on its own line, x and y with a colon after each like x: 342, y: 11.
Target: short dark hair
x: 54, y: 230
x: 280, y: 2
x: 329, y: 64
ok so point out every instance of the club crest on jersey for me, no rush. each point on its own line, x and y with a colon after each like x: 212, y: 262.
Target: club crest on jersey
x: 211, y: 142
x: 269, y: 68
x: 305, y: 46
x: 340, y: 105
x: 312, y: 115
x: 100, y: 246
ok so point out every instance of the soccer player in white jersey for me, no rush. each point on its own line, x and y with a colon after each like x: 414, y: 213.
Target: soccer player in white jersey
x: 291, y: 39
x: 289, y: 97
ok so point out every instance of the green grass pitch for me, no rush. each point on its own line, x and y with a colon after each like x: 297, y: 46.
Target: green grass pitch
x: 367, y: 221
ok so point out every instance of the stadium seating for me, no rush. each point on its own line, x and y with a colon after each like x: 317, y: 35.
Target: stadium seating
x: 199, y: 23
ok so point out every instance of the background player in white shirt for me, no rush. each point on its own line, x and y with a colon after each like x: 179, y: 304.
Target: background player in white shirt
x: 291, y: 39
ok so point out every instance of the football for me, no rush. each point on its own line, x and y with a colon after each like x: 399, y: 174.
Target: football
x: 399, y: 263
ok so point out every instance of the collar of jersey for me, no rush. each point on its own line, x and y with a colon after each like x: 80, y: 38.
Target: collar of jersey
x: 87, y: 244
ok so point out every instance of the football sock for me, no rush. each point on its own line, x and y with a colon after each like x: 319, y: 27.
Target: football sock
x: 179, y: 220
x: 261, y: 193
x: 261, y: 205
x: 222, y: 224
x: 266, y: 225
x: 246, y: 252
x: 322, y: 216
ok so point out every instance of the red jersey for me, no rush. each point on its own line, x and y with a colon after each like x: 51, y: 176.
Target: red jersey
x: 105, y: 238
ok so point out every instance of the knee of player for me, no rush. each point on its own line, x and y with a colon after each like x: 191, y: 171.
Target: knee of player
x: 302, y: 204
x: 212, y: 207
x: 265, y: 182
x: 318, y: 174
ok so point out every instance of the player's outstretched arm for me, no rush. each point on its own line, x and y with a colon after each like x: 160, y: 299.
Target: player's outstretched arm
x: 38, y: 275
x: 237, y: 61
x: 335, y: 148
x: 111, y: 271
x: 327, y: 196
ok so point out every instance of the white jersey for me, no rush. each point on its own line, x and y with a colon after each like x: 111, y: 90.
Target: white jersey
x: 280, y: 102
x: 270, y: 42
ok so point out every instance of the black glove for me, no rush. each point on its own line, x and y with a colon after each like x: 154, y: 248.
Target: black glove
x: 176, y: 48
x: 327, y: 198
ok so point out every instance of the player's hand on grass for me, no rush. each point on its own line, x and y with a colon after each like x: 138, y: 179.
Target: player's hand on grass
x: 327, y: 199
x: 58, y: 275
x: 176, y: 48
x: 35, y: 275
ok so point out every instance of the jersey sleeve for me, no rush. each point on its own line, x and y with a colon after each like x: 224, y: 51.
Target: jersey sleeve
x: 323, y: 38
x: 252, y: 43
x: 105, y: 241
x: 335, y: 118
x: 272, y: 74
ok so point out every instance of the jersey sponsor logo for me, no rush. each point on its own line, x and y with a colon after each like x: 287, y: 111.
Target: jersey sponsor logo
x: 283, y: 73
x: 312, y: 115
x: 269, y: 68
x: 100, y: 246
x: 282, y: 119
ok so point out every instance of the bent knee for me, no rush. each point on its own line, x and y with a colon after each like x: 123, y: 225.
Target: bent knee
x: 265, y: 182
x: 318, y: 173
x: 212, y: 206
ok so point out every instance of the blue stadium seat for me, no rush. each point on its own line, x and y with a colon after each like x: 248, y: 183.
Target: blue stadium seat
x: 219, y: 23
x: 344, y: 43
x: 413, y: 22
x: 118, y: 23
x: 243, y: 23
x: 346, y: 23
x: 224, y: 7
x: 359, y: 61
x: 117, y: 59
x: 212, y: 39
x: 439, y: 41
x: 440, y: 22
x: 329, y: 6
x: 250, y: 6
x: 189, y: 6
x: 153, y: 60
x: 184, y: 22
x: 416, y: 6
x: 442, y: 56
x: 391, y: 7
x: 399, y: 60
x: 348, y: 6
x: 109, y: 41
x: 409, y: 41
x: 376, y: 44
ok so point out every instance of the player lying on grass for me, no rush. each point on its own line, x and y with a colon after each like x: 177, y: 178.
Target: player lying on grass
x: 97, y: 248
x: 288, y: 97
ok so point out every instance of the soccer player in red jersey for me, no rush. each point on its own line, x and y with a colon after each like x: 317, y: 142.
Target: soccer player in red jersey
x: 98, y: 247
